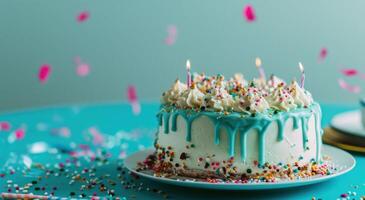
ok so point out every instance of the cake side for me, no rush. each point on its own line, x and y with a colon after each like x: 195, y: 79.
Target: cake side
x: 224, y: 145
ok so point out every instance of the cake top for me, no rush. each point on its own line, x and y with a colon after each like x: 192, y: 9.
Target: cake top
x: 216, y: 94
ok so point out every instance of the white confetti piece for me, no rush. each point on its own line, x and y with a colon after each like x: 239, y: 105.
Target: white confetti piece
x: 27, y: 161
x: 38, y: 147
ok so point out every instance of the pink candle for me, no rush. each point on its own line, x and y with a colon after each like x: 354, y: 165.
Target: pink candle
x: 188, y: 76
x: 302, y: 79
x: 261, y: 70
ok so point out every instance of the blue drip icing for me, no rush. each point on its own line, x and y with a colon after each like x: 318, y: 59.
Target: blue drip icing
x: 166, y: 118
x: 319, y: 132
x: 174, y: 118
x: 281, y: 123
x: 235, y: 122
x: 217, y: 128
x: 304, y: 121
x: 295, y: 123
x: 243, y: 136
x: 159, y: 117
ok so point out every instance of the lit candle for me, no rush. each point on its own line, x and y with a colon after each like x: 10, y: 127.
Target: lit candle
x: 188, y: 76
x: 302, y: 79
x: 261, y: 70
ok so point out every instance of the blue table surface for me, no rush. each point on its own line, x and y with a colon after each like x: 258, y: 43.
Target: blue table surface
x: 106, y: 133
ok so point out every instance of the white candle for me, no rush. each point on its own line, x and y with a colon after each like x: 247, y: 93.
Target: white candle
x: 188, y: 76
x: 258, y: 63
x: 302, y: 79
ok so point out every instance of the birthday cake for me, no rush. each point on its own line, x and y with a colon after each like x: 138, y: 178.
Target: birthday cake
x: 217, y: 129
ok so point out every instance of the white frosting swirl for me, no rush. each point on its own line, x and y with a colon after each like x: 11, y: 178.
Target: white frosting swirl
x: 274, y: 81
x: 259, y: 83
x: 251, y: 101
x: 174, y: 93
x: 302, y: 98
x: 239, y: 79
x: 195, y: 98
x: 220, y: 100
x: 216, y: 94
x: 280, y: 99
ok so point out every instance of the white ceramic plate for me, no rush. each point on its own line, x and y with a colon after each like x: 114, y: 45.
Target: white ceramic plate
x: 341, y: 159
x: 349, y: 122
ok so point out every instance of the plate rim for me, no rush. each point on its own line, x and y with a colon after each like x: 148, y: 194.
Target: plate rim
x: 246, y: 186
x: 344, y: 130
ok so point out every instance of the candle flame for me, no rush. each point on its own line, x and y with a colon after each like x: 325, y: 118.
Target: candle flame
x: 258, y: 62
x: 301, y: 68
x: 188, y: 64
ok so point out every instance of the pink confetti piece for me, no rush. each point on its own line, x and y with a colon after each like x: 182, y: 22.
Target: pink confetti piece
x: 84, y: 146
x: 351, y: 88
x: 122, y: 155
x: 19, y: 133
x: 171, y: 35
x: 169, y: 41
x: 62, y: 131
x: 83, y: 16
x: 322, y: 54
x: 349, y: 72
x: 65, y: 132
x: 5, y: 126
x: 172, y: 30
x: 136, y: 108
x: 98, y: 138
x: 86, y: 153
x: 133, y: 100
x: 44, y: 73
x: 249, y: 13
x: 132, y: 94
x: 82, y: 69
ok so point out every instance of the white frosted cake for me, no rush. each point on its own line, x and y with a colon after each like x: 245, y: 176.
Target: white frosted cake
x: 219, y: 129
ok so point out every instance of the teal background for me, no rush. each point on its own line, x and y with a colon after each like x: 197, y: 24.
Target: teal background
x: 123, y: 43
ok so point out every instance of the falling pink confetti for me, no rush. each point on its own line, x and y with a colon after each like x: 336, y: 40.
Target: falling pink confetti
x: 63, y: 132
x: 5, y: 126
x: 83, y: 16
x: 136, y: 108
x: 132, y: 94
x: 322, y: 54
x: 350, y: 88
x: 19, y: 133
x: 83, y: 153
x: 98, y: 138
x: 82, y: 69
x: 122, y: 155
x: 171, y: 35
x: 249, y: 13
x: 44, y: 72
x: 349, y: 72
x: 169, y: 41
x: 133, y: 100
